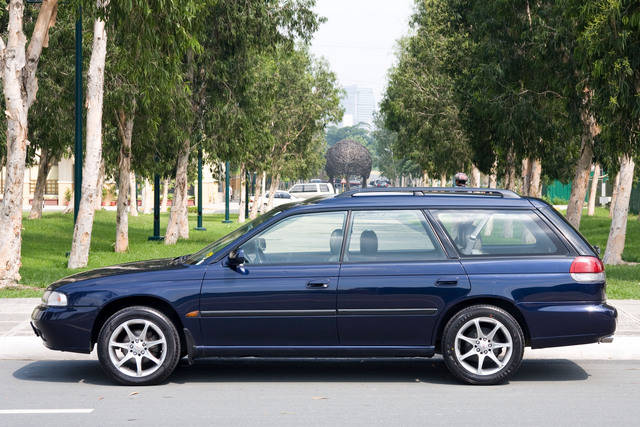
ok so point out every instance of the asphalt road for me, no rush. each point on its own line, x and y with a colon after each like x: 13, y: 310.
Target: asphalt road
x: 326, y: 392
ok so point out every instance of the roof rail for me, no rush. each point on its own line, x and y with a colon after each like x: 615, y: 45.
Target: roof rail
x: 422, y: 191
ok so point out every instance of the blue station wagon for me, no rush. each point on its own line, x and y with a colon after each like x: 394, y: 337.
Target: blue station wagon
x: 473, y: 274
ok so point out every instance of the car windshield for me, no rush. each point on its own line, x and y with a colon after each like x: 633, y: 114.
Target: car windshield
x: 199, y: 257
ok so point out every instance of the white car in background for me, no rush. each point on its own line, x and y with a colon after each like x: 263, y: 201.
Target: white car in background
x: 280, y: 198
x: 312, y: 189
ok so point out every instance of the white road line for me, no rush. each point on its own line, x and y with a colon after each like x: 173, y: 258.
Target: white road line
x: 45, y: 411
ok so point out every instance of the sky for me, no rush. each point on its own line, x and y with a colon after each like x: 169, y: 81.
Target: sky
x: 359, y: 39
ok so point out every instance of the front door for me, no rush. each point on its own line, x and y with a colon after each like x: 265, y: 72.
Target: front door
x: 395, y: 280
x: 286, y: 295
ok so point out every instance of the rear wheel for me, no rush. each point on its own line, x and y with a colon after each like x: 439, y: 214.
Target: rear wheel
x: 483, y: 344
x: 138, y: 346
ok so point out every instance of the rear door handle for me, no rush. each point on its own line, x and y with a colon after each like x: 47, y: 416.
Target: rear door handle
x: 316, y: 284
x: 445, y: 282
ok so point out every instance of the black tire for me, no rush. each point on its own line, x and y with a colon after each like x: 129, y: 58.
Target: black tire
x: 170, y: 350
x: 503, y: 371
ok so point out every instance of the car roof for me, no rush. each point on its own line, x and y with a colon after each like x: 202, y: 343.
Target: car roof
x: 447, y: 197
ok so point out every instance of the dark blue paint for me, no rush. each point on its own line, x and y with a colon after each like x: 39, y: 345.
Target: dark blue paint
x: 556, y: 310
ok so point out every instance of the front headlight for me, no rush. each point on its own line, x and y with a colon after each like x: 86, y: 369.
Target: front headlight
x: 54, y: 299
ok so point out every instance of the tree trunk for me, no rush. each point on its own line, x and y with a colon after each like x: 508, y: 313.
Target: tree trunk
x: 147, y: 197
x: 133, y: 198
x: 614, y: 194
x: 535, y: 172
x: 493, y: 177
x: 178, y: 206
x: 618, y: 230
x: 95, y: 92
x: 275, y: 183
x: 526, y: 165
x: 594, y: 190
x: 475, y: 177
x: 510, y: 176
x: 18, y: 68
x: 41, y: 184
x: 99, y: 187
x: 183, y: 223
x: 243, y: 195
x: 253, y: 214
x: 165, y: 195
x: 125, y: 129
x: 580, y: 183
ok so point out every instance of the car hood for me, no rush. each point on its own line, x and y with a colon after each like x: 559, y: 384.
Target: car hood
x: 127, y: 268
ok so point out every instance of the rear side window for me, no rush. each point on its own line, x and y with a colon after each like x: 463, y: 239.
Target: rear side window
x: 388, y: 236
x: 499, y: 232
x: 324, y: 188
x: 310, y: 188
x: 569, y: 232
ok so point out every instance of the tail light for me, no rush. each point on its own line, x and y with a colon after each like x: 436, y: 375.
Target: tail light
x: 587, y: 269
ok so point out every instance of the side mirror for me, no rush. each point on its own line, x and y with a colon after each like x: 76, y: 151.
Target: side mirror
x: 236, y: 258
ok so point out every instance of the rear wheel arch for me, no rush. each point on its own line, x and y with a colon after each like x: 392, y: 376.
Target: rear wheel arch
x: 148, y: 301
x: 504, y: 304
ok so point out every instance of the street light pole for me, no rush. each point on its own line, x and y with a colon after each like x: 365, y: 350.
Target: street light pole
x: 200, y: 227
x: 156, y: 209
x: 77, y: 176
x: 226, y: 193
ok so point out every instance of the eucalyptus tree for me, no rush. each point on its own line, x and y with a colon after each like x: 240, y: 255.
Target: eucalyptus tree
x: 142, y: 60
x: 419, y: 104
x: 610, y: 42
x: 18, y: 67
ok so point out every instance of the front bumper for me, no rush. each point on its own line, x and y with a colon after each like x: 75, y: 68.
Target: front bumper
x: 65, y: 328
x: 560, y: 324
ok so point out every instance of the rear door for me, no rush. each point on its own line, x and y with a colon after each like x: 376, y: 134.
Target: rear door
x: 395, y: 280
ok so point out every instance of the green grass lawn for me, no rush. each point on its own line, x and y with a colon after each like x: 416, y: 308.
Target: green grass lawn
x: 46, y: 242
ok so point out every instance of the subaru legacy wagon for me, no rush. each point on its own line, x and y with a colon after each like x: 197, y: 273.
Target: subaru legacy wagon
x: 476, y: 275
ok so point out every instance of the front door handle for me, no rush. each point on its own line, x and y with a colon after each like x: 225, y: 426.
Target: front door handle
x: 444, y: 282
x: 316, y: 284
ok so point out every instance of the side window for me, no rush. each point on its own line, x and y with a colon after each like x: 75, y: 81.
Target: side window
x: 401, y: 235
x: 499, y: 232
x: 298, y: 188
x: 310, y: 188
x: 324, y: 188
x: 299, y: 239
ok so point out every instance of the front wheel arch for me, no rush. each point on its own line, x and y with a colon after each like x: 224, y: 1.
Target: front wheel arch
x: 504, y: 304
x: 147, y: 301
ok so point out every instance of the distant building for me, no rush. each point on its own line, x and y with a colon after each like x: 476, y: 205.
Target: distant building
x: 359, y: 105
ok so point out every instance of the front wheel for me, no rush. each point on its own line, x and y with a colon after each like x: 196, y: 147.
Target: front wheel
x: 482, y: 344
x: 138, y: 346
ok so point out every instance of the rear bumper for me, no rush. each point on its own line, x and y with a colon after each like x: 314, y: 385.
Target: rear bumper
x: 560, y: 324
x: 64, y: 328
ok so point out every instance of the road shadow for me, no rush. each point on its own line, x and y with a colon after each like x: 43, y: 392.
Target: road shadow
x: 299, y: 370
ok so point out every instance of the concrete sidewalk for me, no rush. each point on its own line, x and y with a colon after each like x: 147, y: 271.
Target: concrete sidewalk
x: 17, y: 340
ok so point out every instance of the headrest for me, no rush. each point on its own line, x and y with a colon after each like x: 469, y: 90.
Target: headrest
x: 336, y: 241
x: 368, y: 242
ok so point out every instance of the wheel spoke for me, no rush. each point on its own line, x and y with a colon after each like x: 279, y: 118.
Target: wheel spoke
x: 139, y: 366
x: 119, y: 345
x: 156, y: 342
x: 493, y: 332
x: 467, y: 354
x: 480, y: 362
x: 471, y: 341
x: 130, y: 334
x: 493, y: 357
x: 496, y: 345
x: 152, y: 358
x: 478, y: 328
x: 143, y: 334
x: 122, y: 361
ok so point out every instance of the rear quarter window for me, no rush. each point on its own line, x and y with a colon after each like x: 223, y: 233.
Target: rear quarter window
x: 493, y: 232
x: 570, y: 233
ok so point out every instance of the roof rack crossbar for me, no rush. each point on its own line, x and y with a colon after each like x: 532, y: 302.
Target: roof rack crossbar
x: 422, y: 191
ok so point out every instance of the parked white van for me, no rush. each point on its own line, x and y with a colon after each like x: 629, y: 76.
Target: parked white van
x: 311, y: 189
